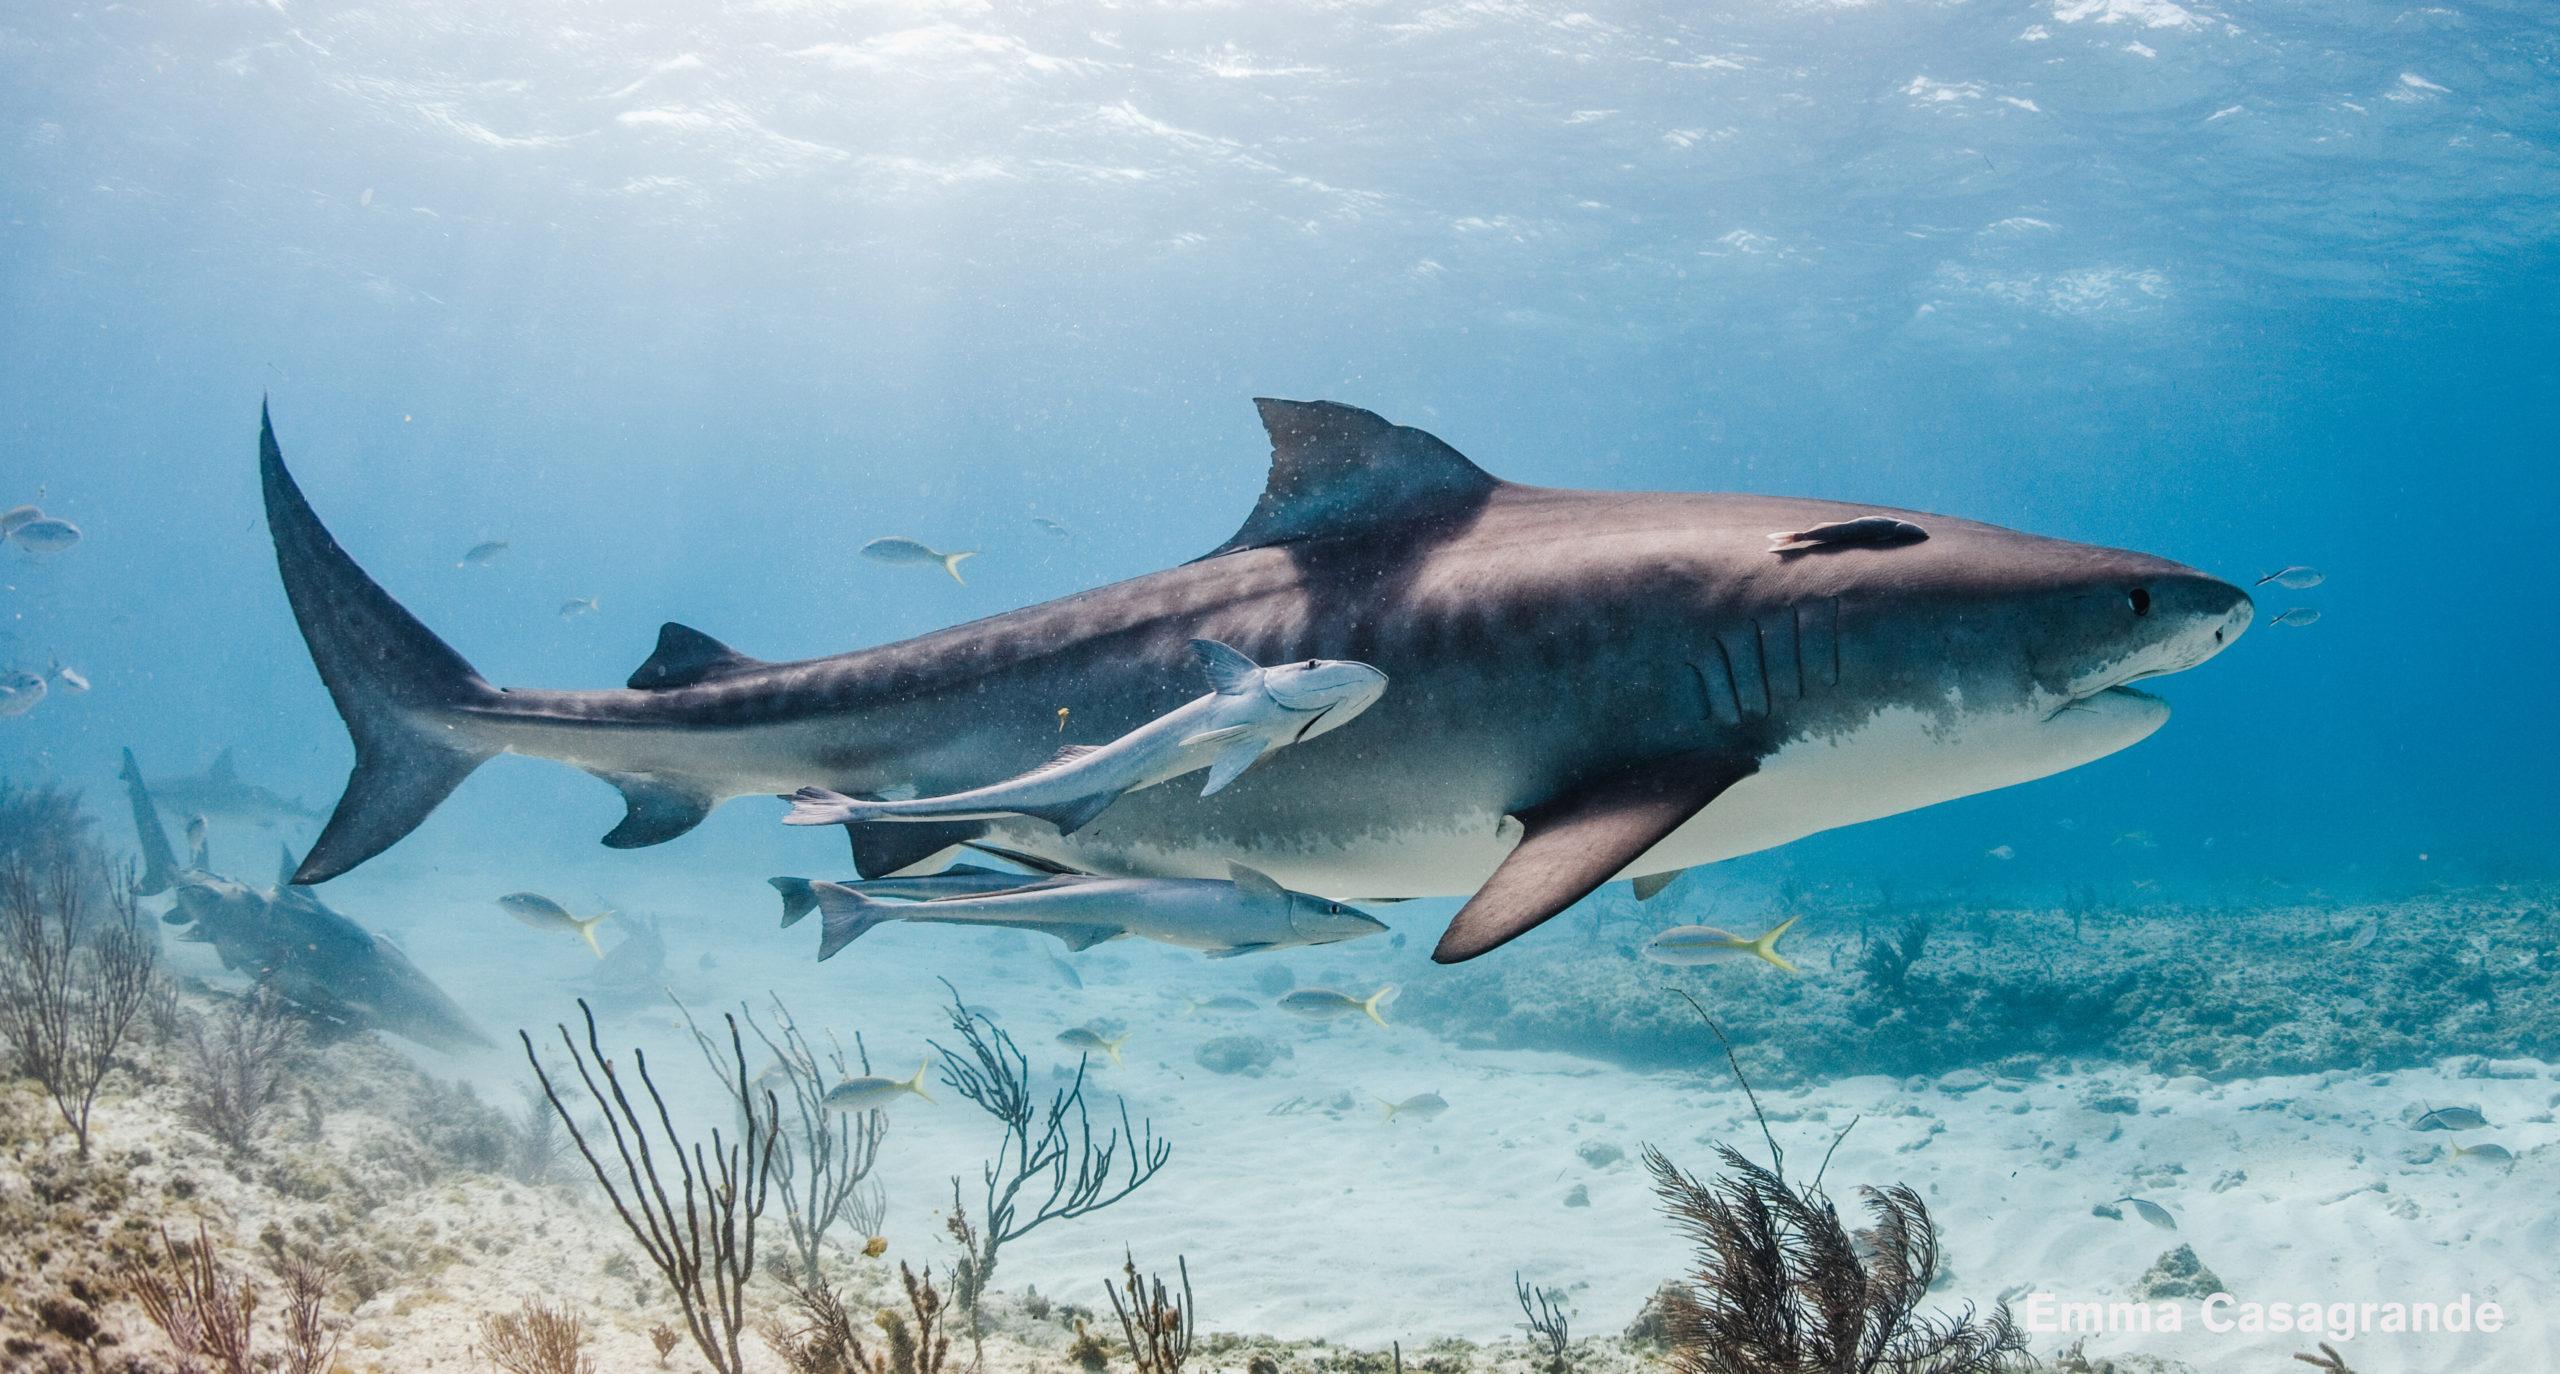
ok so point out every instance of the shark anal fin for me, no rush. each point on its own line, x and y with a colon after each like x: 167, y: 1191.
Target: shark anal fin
x: 1337, y: 470
x: 1581, y: 838
x: 883, y: 848
x: 687, y: 657
x: 1232, y: 951
x: 654, y: 810
x: 1650, y: 885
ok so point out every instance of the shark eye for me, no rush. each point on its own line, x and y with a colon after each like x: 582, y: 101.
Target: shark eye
x: 2140, y: 600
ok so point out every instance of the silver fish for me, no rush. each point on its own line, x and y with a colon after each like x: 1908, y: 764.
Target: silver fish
x: 2365, y: 934
x: 1420, y: 1106
x: 45, y: 535
x: 1055, y: 527
x: 2152, y: 1212
x: 542, y: 913
x: 15, y: 516
x: 483, y: 554
x: 1325, y: 1004
x: 2296, y: 578
x: 2452, y: 1119
x: 1092, y: 1041
x: 20, y: 692
x: 870, y: 1094
x: 900, y: 549
x: 1249, y: 712
x: 1221, y: 1005
x: 578, y: 606
x: 2297, y: 617
x: 72, y: 680
x: 2498, y: 1156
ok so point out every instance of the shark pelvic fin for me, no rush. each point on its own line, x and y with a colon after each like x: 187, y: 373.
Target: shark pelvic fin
x: 686, y: 657
x: 883, y: 848
x: 654, y: 810
x: 1650, y: 885
x: 1230, y: 765
x: 1337, y: 470
x: 1573, y: 842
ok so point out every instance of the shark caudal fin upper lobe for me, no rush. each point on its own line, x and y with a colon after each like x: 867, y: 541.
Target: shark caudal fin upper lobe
x: 159, y: 862
x: 395, y: 683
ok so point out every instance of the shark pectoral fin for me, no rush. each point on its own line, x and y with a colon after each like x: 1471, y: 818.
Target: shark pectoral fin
x: 654, y: 810
x: 1231, y: 765
x: 687, y: 657
x: 883, y: 848
x: 1072, y: 816
x: 1572, y: 843
x: 1650, y: 885
x: 797, y: 899
x: 1234, y: 950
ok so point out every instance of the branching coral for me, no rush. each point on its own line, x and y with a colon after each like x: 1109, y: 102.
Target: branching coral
x: 1158, y: 1325
x: 236, y: 1068
x: 823, y: 1164
x: 702, y: 1236
x: 201, y: 1306
x: 827, y: 1342
x: 72, y: 982
x: 535, y: 1339
x: 1542, y: 1310
x: 1050, y: 1166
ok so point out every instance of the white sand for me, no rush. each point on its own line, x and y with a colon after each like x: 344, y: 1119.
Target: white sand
x: 1352, y: 1228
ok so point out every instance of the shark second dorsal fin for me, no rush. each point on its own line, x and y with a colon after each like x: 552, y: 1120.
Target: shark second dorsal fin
x: 685, y: 657
x: 1337, y: 470
x: 225, y: 769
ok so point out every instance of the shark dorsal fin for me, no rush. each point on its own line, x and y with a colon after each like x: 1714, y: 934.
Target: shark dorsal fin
x: 686, y: 657
x: 1255, y: 883
x: 225, y: 769
x: 1337, y: 470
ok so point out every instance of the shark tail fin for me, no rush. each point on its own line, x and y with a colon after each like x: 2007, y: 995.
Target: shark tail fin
x: 844, y: 916
x: 159, y: 861
x: 1766, y: 946
x: 797, y: 899
x: 587, y: 931
x: 1379, y: 999
x: 916, y: 1084
x: 397, y: 686
x: 951, y: 564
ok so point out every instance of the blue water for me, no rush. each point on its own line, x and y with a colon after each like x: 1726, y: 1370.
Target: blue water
x: 686, y: 303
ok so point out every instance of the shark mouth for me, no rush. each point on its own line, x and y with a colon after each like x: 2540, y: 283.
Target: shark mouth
x: 2120, y: 692
x: 1312, y: 722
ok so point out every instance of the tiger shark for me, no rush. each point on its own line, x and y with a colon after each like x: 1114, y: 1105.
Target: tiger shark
x: 1590, y: 685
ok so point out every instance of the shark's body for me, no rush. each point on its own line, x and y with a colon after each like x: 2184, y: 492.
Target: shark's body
x: 220, y: 793
x: 286, y: 939
x: 1588, y: 685
x: 1249, y: 712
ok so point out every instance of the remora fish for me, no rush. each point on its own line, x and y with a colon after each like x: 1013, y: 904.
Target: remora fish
x: 1249, y: 712
x: 799, y: 895
x: 318, y: 960
x: 1723, y: 701
x: 1223, y: 918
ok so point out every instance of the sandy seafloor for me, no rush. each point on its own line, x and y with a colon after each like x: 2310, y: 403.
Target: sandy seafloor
x: 1332, y: 1222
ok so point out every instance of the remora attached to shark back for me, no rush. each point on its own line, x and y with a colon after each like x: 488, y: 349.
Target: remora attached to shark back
x: 1589, y: 685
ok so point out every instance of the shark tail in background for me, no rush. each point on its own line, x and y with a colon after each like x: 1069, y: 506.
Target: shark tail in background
x: 845, y: 916
x: 395, y: 683
x: 159, y: 861
x: 1766, y: 946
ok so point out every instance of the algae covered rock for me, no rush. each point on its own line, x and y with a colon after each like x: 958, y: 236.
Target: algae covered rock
x: 2178, y: 1275
x: 1250, y: 1055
